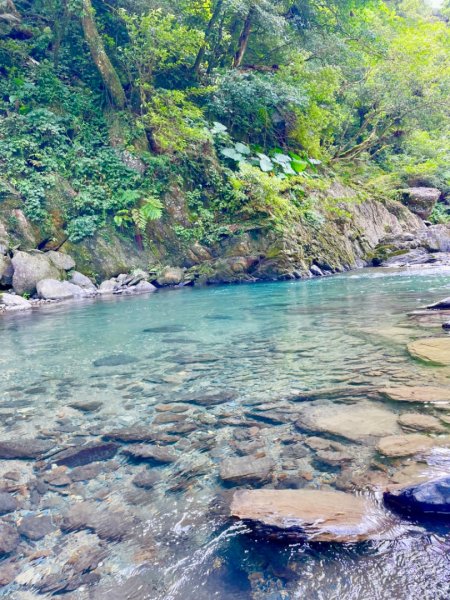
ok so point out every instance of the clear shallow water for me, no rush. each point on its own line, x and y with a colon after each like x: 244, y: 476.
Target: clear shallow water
x: 266, y: 345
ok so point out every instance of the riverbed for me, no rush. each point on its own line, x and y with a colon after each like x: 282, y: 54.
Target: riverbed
x: 210, y: 374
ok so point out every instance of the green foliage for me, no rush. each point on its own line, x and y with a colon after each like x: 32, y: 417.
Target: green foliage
x: 245, y: 103
x: 440, y: 214
x: 150, y: 210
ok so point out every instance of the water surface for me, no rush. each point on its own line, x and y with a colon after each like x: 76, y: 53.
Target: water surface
x: 266, y: 346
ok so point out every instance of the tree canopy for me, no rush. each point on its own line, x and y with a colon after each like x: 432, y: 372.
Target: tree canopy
x: 272, y: 87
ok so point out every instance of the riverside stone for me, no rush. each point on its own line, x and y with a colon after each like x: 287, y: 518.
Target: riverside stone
x: 82, y: 281
x: 419, y: 422
x: 322, y: 516
x: 62, y: 261
x: 246, y: 469
x: 356, y: 422
x: 430, y: 498
x: 52, y: 289
x: 29, y: 268
x: 170, y: 276
x: 405, y: 445
x: 24, y: 448
x: 423, y: 394
x: 14, y: 302
x: 431, y: 350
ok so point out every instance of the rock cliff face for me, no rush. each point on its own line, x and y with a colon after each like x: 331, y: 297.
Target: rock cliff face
x: 353, y: 233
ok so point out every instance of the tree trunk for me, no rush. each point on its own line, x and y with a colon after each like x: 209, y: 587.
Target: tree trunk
x: 60, y: 30
x: 99, y: 56
x: 243, y: 38
x: 209, y: 28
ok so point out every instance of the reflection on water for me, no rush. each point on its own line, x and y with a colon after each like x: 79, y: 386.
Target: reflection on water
x: 207, y: 374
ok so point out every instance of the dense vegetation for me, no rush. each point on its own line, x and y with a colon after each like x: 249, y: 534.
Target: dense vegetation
x: 240, y: 105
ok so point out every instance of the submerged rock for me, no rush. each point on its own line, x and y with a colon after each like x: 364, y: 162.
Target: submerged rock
x: 419, y: 422
x: 434, y: 351
x: 115, y: 360
x: 316, y: 515
x: 83, y: 455
x: 25, y: 448
x: 210, y: 398
x: 423, y: 394
x: 7, y: 503
x: 430, y: 498
x: 146, y: 479
x: 86, y: 405
x: 36, y: 527
x: 405, y: 445
x: 151, y: 452
x: 131, y: 434
x: 356, y: 422
x: 246, y: 469
x: 9, y: 538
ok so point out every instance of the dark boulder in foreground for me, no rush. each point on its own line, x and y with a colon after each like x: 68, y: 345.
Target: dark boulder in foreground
x: 441, y: 305
x: 427, y: 499
x: 315, y: 515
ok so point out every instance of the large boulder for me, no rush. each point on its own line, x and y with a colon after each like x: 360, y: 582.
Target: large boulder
x: 52, y: 289
x: 170, y: 276
x: 29, y: 268
x: 316, y: 515
x: 436, y: 238
x: 82, y: 281
x: 420, y: 200
x: 431, y: 498
x: 14, y: 302
x: 62, y: 261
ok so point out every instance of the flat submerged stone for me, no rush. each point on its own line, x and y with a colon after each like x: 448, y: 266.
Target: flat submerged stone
x: 435, y: 351
x: 405, y: 445
x: 356, y: 422
x: 316, y: 515
x: 420, y: 394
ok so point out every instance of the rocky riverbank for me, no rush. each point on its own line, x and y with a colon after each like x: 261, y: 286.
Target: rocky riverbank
x: 374, y: 233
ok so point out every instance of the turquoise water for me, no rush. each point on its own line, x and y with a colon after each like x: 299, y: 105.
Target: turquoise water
x: 264, y: 346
